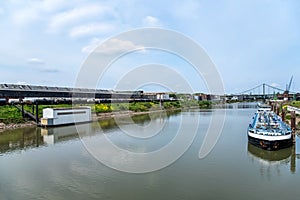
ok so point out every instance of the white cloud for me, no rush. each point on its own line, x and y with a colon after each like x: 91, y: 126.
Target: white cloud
x: 91, y: 29
x: 28, y: 12
x: 21, y: 83
x: 91, y: 46
x: 111, y: 47
x: 49, y: 70
x: 25, y: 16
x: 35, y: 61
x: 53, y: 5
x: 275, y: 85
x: 76, y: 15
x: 150, y: 21
x: 40, y: 65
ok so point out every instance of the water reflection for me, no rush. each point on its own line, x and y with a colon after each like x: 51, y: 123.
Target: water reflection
x: 26, y: 138
x: 62, y: 168
x: 239, y: 105
x: 273, y: 161
x: 20, y: 139
x: 61, y: 134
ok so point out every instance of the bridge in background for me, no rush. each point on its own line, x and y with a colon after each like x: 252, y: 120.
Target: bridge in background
x: 265, y: 91
x: 10, y: 91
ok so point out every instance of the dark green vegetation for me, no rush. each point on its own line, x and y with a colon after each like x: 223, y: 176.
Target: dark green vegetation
x: 10, y: 114
x: 195, y: 103
x: 149, y: 106
x: 287, y: 115
x: 31, y: 108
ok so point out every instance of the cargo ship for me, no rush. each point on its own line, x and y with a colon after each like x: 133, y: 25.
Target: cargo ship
x: 268, y: 131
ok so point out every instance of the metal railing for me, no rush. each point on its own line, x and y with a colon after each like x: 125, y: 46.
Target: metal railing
x: 291, y: 108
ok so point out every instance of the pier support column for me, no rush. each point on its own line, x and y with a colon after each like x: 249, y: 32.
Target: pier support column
x: 283, y: 114
x: 22, y: 108
x: 277, y: 109
x: 293, y: 160
x: 293, y: 124
x: 37, y: 135
x: 37, y: 113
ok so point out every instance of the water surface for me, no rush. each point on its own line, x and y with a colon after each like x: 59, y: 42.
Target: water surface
x: 54, y: 164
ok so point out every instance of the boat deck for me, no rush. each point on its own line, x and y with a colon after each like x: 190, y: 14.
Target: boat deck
x: 268, y: 131
x: 267, y: 122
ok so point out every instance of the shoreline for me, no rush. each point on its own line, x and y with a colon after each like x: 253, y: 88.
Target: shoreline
x: 13, y: 126
x: 100, y: 116
x: 95, y: 117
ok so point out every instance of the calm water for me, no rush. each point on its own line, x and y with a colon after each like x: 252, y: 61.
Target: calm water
x: 54, y: 164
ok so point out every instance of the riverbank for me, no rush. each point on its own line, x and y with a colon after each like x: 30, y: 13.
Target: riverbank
x: 11, y: 117
x: 288, y: 121
x: 281, y: 109
x: 14, y: 118
x: 95, y: 116
x: 11, y: 126
x: 99, y: 116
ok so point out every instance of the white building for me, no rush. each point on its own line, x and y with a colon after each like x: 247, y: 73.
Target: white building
x: 63, y: 116
x: 162, y: 96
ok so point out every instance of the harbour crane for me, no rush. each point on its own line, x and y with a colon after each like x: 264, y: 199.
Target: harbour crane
x: 288, y: 86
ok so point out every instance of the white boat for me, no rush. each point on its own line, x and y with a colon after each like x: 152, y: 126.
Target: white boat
x: 268, y: 131
x: 263, y: 105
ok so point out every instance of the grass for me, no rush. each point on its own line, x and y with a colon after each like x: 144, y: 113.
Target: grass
x: 295, y: 104
x: 195, y: 103
x: 10, y: 114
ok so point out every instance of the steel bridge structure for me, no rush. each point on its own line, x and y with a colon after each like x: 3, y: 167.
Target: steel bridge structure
x: 264, y: 91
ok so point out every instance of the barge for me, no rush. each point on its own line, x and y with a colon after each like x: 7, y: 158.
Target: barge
x: 268, y: 131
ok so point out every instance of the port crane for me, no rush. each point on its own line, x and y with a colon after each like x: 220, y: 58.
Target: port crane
x: 288, y: 86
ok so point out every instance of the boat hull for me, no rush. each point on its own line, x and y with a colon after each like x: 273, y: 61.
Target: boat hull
x: 270, y: 145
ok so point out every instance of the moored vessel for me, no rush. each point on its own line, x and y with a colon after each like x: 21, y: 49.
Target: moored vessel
x: 268, y: 131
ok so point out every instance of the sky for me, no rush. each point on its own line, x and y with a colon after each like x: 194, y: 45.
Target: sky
x: 46, y: 42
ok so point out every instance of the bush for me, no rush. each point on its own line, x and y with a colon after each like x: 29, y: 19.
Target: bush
x: 171, y: 105
x: 138, y: 107
x: 205, y: 104
x: 102, y: 108
x: 189, y: 103
x: 10, y: 114
x: 124, y: 107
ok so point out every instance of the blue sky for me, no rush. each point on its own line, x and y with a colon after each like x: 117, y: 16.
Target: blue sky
x: 45, y: 42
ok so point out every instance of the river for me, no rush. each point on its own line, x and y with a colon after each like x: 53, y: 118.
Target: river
x: 56, y: 163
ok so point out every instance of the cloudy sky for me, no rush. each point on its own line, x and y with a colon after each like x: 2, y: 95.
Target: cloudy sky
x: 45, y: 42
